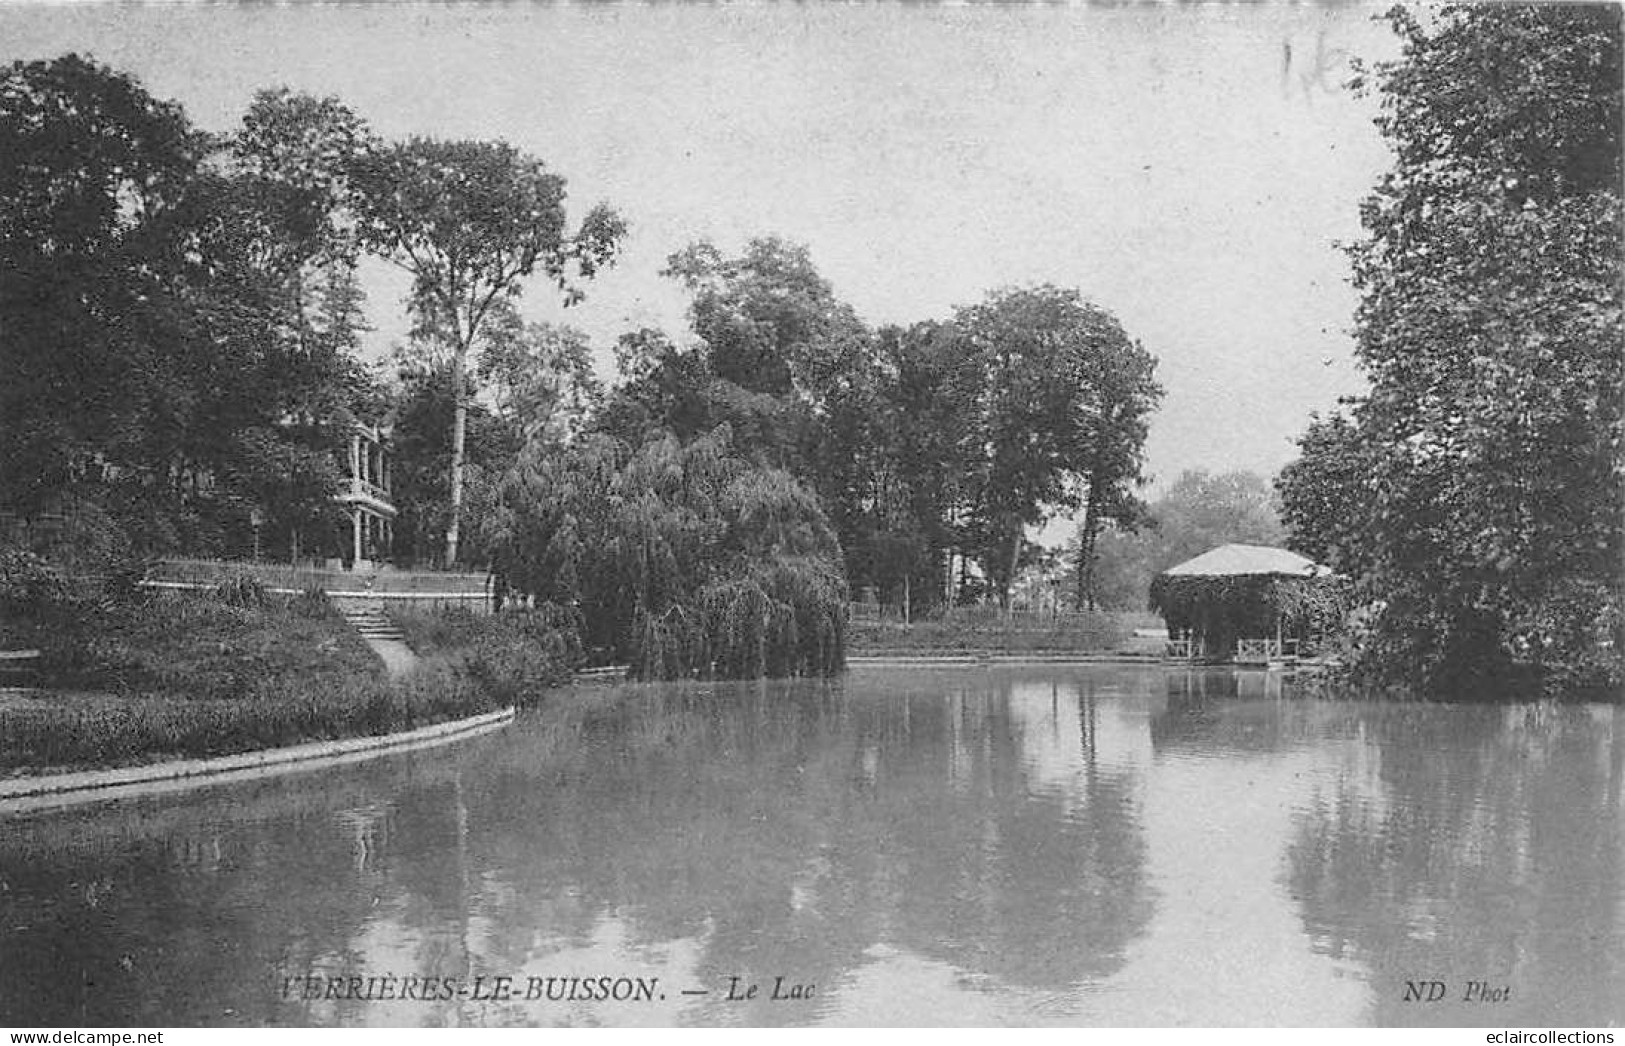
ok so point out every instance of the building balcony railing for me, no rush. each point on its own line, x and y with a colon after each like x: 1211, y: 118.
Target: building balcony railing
x: 362, y: 486
x: 369, y: 493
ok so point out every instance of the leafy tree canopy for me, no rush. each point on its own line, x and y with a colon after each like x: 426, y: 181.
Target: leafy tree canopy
x: 770, y: 321
x: 158, y: 349
x: 1062, y: 396
x: 928, y: 446
x: 1486, y: 524
x: 680, y: 558
x: 471, y: 220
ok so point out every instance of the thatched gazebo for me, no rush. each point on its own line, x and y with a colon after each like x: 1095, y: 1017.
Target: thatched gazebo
x: 1249, y: 603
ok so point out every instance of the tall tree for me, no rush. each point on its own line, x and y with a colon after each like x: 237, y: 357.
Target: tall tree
x: 1060, y: 418
x: 780, y: 359
x: 291, y: 163
x: 153, y: 351
x: 294, y: 158
x: 1489, y: 327
x: 779, y: 345
x: 471, y: 221
x: 921, y: 464
x: 99, y: 185
x: 422, y: 407
x: 1128, y: 394
x: 771, y: 322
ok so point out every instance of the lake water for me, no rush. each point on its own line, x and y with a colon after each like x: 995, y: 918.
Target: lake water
x: 1084, y: 845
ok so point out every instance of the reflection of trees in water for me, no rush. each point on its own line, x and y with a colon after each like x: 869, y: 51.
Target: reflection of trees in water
x: 787, y: 826
x: 1488, y: 848
x: 1035, y: 886
x: 1237, y: 711
x: 792, y: 828
x: 156, y: 931
x: 191, y: 908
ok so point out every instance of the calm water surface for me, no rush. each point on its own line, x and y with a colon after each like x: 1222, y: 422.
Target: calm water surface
x: 1076, y: 845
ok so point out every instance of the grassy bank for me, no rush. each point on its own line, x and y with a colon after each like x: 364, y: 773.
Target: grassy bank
x: 140, y: 677
x: 204, y: 646
x: 986, y: 630
x: 76, y: 730
x: 515, y: 656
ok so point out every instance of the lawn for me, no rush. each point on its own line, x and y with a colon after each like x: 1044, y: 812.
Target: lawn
x: 181, y: 675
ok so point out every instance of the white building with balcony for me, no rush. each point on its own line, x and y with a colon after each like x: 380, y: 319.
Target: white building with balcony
x: 367, y: 499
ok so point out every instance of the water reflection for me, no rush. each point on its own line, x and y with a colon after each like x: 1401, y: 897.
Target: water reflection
x: 1075, y: 845
x: 1483, y: 846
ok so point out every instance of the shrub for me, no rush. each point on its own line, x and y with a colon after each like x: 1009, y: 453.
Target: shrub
x: 31, y: 587
x: 512, y: 655
x: 313, y: 603
x: 242, y: 590
x: 166, y: 725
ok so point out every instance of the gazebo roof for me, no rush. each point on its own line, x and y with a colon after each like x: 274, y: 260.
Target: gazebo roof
x: 1233, y: 560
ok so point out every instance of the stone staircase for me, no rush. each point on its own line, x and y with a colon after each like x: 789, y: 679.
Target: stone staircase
x: 371, y: 621
x: 368, y: 618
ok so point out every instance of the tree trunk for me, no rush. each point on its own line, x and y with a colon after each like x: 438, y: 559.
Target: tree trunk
x: 1086, y: 551
x: 1015, y: 559
x: 1086, y: 565
x: 459, y: 425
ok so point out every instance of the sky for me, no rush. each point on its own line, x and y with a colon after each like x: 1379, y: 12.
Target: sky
x: 1189, y: 167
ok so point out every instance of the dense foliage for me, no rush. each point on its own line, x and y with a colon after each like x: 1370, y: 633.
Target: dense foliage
x: 182, y: 310
x: 421, y: 415
x: 1221, y: 609
x: 933, y: 449
x: 678, y: 558
x: 183, y: 316
x: 1062, y: 397
x: 1476, y: 490
x: 471, y: 220
x: 179, y: 311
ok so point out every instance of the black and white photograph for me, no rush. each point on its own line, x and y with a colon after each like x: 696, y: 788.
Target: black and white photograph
x: 765, y: 514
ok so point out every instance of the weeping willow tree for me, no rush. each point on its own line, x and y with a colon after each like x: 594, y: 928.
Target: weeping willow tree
x: 679, y: 559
